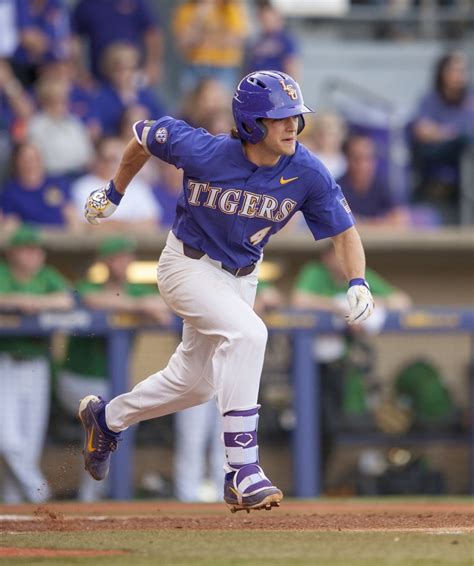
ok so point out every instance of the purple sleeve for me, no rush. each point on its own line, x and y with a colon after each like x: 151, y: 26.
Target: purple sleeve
x: 326, y: 210
x: 174, y: 141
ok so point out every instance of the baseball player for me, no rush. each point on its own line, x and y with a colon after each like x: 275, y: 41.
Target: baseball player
x: 27, y: 286
x: 238, y: 190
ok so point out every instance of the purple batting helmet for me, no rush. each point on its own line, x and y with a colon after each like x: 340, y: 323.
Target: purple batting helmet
x: 266, y: 94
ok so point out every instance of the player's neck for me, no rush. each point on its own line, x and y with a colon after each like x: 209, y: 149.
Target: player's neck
x: 260, y: 155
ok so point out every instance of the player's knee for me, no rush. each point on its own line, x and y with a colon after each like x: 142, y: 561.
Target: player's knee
x: 250, y: 331
x: 259, y: 333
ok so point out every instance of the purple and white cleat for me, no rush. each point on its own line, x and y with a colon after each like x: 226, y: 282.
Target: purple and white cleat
x: 248, y: 488
x: 98, y: 444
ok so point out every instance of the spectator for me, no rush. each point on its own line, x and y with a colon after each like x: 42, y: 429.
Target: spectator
x: 44, y: 34
x: 322, y: 286
x: 16, y: 108
x: 207, y: 98
x: 210, y: 35
x: 326, y: 138
x: 274, y: 47
x: 441, y: 130
x: 27, y: 286
x: 106, y: 22
x: 61, y: 137
x: 139, y: 211
x: 81, y: 95
x: 85, y: 364
x: 368, y: 194
x: 34, y: 197
x: 120, y: 89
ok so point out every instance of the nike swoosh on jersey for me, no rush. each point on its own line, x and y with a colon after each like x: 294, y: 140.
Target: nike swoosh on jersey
x: 285, y: 181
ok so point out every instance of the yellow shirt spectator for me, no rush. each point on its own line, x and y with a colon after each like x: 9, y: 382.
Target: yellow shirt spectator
x: 211, y: 32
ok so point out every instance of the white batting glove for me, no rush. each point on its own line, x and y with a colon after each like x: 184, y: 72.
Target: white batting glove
x: 361, y: 302
x: 102, y: 203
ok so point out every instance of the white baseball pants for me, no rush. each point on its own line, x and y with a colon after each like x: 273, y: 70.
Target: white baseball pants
x: 198, y: 434
x: 24, y: 387
x: 222, y: 349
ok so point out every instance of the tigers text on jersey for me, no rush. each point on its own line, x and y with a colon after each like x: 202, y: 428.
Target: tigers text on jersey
x: 230, y: 207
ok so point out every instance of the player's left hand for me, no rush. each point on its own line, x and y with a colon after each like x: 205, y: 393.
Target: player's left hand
x: 361, y: 302
x: 102, y: 203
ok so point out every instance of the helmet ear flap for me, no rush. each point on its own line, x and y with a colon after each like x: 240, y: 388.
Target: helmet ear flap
x: 301, y: 123
x: 261, y: 128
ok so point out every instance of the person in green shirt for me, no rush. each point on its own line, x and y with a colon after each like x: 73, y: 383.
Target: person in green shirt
x: 85, y: 365
x: 321, y: 286
x: 27, y: 287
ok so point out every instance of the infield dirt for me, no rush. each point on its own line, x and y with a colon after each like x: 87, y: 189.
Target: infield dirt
x: 348, y: 532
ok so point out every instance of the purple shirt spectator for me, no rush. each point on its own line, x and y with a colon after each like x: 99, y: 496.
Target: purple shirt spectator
x: 274, y: 47
x: 109, y: 107
x: 42, y: 205
x: 50, y: 18
x: 107, y: 21
x: 271, y: 51
x: 458, y: 118
x: 376, y: 201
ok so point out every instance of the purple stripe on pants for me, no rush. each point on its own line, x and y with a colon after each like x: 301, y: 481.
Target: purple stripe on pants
x: 246, y: 413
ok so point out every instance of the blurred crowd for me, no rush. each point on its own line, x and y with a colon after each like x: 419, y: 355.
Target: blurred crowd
x: 74, y: 80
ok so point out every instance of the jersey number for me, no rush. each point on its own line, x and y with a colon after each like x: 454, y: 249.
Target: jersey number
x: 258, y: 236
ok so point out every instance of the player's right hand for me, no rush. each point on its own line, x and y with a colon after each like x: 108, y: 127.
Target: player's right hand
x: 102, y: 203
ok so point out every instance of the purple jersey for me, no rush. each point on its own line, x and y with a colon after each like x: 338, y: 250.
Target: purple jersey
x: 230, y: 207
x: 42, y: 205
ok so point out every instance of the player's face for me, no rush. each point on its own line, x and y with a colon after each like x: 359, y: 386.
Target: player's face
x: 281, y: 135
x: 118, y: 265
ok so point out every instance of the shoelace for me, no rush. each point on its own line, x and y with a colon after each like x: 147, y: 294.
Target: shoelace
x: 105, y: 445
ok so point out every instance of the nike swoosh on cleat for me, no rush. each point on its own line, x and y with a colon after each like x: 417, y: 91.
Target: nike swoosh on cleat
x: 90, y: 446
x: 285, y: 181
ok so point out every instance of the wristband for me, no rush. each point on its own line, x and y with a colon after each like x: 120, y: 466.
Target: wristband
x: 112, y: 194
x: 359, y: 281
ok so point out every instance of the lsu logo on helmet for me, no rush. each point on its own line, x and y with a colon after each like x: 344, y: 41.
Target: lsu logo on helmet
x: 289, y: 89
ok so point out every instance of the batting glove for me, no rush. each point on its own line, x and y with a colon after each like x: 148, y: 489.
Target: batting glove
x: 361, y: 302
x: 101, y: 203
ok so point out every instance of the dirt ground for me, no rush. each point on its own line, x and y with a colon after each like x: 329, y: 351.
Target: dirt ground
x: 291, y: 516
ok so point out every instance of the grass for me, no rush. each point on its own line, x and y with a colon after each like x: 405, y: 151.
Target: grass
x: 199, y: 548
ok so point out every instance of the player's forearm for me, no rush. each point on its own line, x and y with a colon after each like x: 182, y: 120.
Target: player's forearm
x: 110, y: 301
x: 133, y: 159
x: 350, y: 253
x: 304, y: 300
x: 54, y: 301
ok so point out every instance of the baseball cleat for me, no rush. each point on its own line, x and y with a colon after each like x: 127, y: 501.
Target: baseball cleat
x: 98, y: 444
x: 249, y: 489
